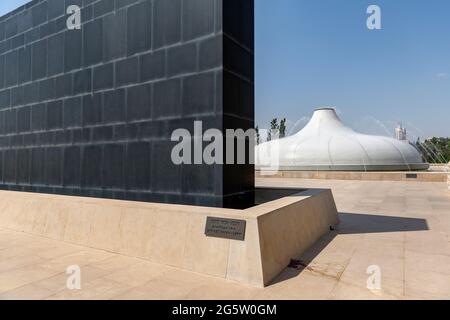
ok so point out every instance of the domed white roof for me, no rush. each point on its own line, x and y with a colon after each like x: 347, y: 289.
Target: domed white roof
x: 325, y: 143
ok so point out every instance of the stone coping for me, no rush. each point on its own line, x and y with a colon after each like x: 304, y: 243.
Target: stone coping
x: 355, y: 175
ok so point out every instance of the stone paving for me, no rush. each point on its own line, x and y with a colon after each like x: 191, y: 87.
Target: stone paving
x: 402, y: 228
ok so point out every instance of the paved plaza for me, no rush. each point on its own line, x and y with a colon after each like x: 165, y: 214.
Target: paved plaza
x: 401, y: 228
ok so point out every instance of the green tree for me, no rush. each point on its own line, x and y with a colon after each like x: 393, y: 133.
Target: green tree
x: 435, y: 150
x: 273, y: 127
x: 283, y: 128
x: 258, y: 137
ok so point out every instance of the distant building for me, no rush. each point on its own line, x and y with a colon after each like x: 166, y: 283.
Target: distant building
x: 400, y: 133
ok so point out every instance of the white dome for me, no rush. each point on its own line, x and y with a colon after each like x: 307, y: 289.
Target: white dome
x: 326, y: 144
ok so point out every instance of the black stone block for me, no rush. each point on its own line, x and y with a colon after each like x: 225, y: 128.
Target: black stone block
x: 93, y: 42
x: 63, y: 86
x: 31, y: 93
x: 153, y: 65
x: 138, y: 164
x: 29, y: 139
x: 5, y: 99
x: 39, y: 60
x: 47, y: 89
x: 103, y: 7
x: 47, y: 29
x: 114, y: 105
x: 38, y: 166
x: 2, y: 71
x: 2, y: 130
x: 25, y: 64
x: 113, y: 166
x: 63, y: 137
x: 139, y: 102
x: 92, y: 166
x: 84, y: 140
x: 104, y: 76
x: 55, y: 114
x: 53, y: 164
x: 11, y: 27
x: 182, y: 59
x: 72, y: 49
x: 11, y: 68
x: 198, y: 18
x: 1, y: 168
x: 11, y: 121
x: 82, y: 81
x: 102, y: 134
x: 210, y: 53
x: 115, y: 35
x: 38, y: 117
x: 17, y: 96
x: 167, y: 22
x: 55, y: 8
x: 123, y: 3
x: 167, y: 99
x: 9, y: 165
x: 198, y: 94
x: 92, y: 109
x: 139, y: 28
x: 198, y: 179
x: 72, y: 112
x: 23, y: 166
x: 40, y: 13
x: 56, y: 54
x: 72, y: 166
x: 24, y: 119
x: 32, y: 35
x: 17, y: 41
x: 87, y: 13
x: 81, y: 135
x: 166, y: 176
x: 127, y: 71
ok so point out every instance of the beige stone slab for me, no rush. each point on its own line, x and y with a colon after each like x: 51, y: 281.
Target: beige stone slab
x: 99, y: 289
x: 105, y: 228
x: 428, y: 285
x: 79, y: 258
x: 203, y: 254
x: 115, y: 263
x: 220, y: 290
x: 299, y: 286
x: 27, y: 292
x: 13, y: 279
x: 58, y: 282
x: 423, y: 262
x: 79, y: 222
x: 138, y: 274
x: 136, y: 231
x: 18, y: 262
x: 344, y: 291
x: 169, y: 238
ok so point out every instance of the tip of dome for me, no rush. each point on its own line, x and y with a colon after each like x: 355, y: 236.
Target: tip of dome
x: 325, y: 109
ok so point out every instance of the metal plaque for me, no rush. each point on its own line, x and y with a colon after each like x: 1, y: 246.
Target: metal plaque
x: 225, y: 228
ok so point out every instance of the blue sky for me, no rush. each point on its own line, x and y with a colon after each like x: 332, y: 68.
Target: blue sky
x: 313, y: 53
x: 9, y: 5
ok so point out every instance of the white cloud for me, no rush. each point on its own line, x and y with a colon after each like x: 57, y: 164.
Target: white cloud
x: 442, y: 75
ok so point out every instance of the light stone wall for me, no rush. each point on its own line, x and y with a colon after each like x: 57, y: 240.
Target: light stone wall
x: 354, y: 175
x: 173, y: 235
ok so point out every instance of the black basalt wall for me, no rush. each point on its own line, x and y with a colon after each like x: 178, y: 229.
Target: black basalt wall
x: 90, y: 112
